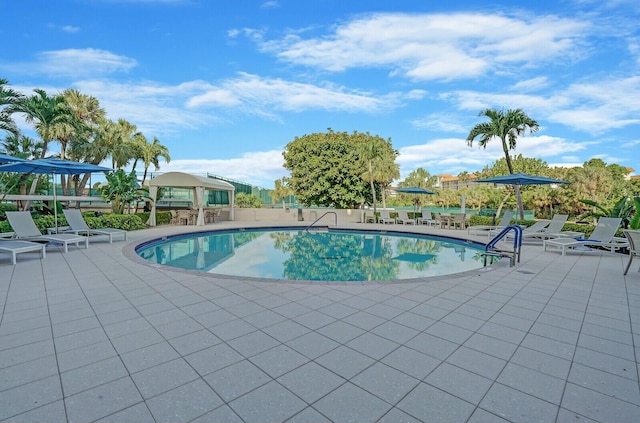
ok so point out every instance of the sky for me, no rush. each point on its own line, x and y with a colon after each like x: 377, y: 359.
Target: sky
x: 226, y: 85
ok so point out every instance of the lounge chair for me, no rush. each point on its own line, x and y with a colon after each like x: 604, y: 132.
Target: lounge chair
x: 403, y: 217
x: 25, y: 229
x: 634, y: 246
x: 552, y: 230
x: 15, y: 247
x: 544, y: 229
x: 603, y: 236
x: 426, y: 219
x: 504, y: 222
x: 77, y: 225
x: 385, y: 217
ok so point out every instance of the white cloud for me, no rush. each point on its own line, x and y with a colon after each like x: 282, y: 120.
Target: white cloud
x: 453, y: 153
x: 436, y: 46
x: 443, y: 122
x: 532, y: 84
x: 263, y: 96
x: 269, y: 5
x: 155, y: 108
x: 594, y: 107
x: 260, y: 168
x: 65, y: 28
x: 74, y: 63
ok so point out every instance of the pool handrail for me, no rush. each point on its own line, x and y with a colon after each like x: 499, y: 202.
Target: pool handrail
x: 323, y: 215
x: 517, y: 244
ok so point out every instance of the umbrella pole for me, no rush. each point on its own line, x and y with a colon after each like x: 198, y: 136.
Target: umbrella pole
x: 55, y: 202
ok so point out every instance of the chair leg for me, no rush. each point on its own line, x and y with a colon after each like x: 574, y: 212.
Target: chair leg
x: 626, y: 269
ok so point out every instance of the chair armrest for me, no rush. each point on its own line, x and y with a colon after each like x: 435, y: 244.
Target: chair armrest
x: 51, y: 231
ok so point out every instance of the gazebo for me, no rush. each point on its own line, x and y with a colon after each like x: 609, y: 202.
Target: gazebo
x: 199, y: 184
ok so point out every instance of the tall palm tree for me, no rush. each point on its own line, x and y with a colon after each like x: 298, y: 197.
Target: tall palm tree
x: 281, y: 191
x: 85, y: 114
x: 8, y: 97
x: 151, y: 153
x: 506, y: 126
x: 369, y: 151
x: 386, y: 171
x: 44, y: 112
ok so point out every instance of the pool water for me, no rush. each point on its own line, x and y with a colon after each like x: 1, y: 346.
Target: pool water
x: 295, y: 254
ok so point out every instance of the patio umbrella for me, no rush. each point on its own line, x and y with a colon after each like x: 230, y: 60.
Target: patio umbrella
x: 6, y: 158
x: 414, y: 190
x: 53, y: 166
x: 521, y: 179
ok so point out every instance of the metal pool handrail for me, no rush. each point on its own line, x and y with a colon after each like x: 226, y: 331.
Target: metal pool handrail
x: 326, y: 213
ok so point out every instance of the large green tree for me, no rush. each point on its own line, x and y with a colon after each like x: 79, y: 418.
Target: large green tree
x: 327, y: 168
x: 506, y: 126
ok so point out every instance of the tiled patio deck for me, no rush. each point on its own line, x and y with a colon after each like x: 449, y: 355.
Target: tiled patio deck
x: 95, y: 336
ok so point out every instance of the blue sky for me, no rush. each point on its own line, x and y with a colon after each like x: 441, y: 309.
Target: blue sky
x: 225, y: 85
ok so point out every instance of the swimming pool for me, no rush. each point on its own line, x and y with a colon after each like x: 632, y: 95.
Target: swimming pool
x: 333, y: 255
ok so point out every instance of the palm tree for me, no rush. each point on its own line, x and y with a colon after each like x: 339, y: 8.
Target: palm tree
x: 507, y: 126
x: 8, y: 97
x: 44, y: 112
x: 151, y: 153
x: 85, y: 115
x: 281, y: 191
x: 369, y: 151
x: 386, y: 171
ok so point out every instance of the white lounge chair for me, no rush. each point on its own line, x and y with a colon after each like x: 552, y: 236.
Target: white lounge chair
x: 25, y: 229
x: 15, y: 247
x: 426, y: 219
x: 634, y: 246
x: 77, y: 225
x: 385, y: 217
x: 603, y: 236
x: 504, y: 222
x: 403, y: 217
x: 544, y: 229
x: 552, y: 230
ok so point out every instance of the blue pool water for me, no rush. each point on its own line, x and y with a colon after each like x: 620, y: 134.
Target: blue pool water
x: 295, y: 254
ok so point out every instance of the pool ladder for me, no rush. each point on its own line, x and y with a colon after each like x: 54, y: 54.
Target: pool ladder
x: 491, y: 250
x: 335, y: 215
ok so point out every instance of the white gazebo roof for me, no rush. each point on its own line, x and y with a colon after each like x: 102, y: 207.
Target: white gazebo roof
x: 186, y: 180
x: 198, y: 184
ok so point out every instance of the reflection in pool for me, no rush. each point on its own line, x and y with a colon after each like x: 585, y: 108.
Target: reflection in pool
x: 295, y: 254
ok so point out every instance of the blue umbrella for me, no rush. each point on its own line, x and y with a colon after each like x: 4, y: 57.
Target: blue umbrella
x: 6, y: 158
x: 415, y: 190
x: 53, y: 166
x: 522, y: 179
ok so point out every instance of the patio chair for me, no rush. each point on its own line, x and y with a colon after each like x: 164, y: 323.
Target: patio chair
x: 15, y: 247
x: 25, y: 229
x: 603, y: 236
x: 552, y: 230
x: 504, y: 222
x: 385, y: 217
x: 403, y: 217
x: 459, y: 220
x: 542, y: 229
x: 634, y: 246
x: 426, y: 219
x: 77, y: 225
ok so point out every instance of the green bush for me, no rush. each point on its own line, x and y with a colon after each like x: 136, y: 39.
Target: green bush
x: 162, y: 217
x: 6, y: 208
x: 128, y: 222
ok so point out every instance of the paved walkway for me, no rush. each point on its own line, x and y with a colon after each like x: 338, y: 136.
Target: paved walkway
x: 92, y: 335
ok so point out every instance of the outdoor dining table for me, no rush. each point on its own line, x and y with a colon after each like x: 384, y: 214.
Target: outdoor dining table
x: 446, y: 219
